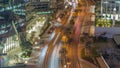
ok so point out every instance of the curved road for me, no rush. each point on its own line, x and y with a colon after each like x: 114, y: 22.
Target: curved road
x: 51, y: 55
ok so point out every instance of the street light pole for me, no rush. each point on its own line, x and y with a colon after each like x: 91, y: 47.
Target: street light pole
x: 101, y: 7
x: 119, y: 11
x: 118, y: 2
x: 114, y: 13
x: 101, y: 11
x: 68, y: 63
x: 106, y: 13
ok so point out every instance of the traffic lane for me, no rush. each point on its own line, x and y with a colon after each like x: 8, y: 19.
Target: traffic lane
x: 67, y: 17
x: 51, y: 48
x: 64, y: 18
x: 49, y: 52
x: 47, y: 56
x: 71, y: 59
x: 65, y: 24
x: 42, y: 56
x: 44, y: 51
x: 73, y: 46
x: 54, y: 59
x: 62, y: 29
x: 73, y: 49
x: 41, y: 53
x: 58, y: 37
x: 85, y: 20
x: 82, y: 17
x: 74, y: 54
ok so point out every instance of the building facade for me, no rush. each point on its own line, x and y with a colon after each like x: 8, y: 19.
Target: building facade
x: 38, y: 14
x: 12, y: 22
x: 107, y: 12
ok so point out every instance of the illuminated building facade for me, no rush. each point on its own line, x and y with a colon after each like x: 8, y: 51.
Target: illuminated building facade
x: 107, y: 12
x: 12, y: 22
x: 16, y: 17
x: 38, y: 14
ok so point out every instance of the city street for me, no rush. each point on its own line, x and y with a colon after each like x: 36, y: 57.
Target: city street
x: 58, y: 52
x: 51, y: 57
x: 59, y: 33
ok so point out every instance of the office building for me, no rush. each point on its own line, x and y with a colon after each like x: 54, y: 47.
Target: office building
x: 12, y: 22
x: 108, y: 11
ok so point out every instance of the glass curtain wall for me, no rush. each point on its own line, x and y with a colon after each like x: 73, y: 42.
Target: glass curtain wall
x: 12, y: 19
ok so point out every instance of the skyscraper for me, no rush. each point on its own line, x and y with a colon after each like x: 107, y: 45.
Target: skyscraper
x: 12, y: 20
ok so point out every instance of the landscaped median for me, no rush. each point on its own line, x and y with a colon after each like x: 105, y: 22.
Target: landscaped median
x: 85, y: 57
x: 90, y: 54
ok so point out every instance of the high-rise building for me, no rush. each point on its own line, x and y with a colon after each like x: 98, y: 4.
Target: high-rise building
x: 108, y: 11
x: 37, y: 12
x: 35, y: 6
x: 11, y: 11
x: 12, y: 21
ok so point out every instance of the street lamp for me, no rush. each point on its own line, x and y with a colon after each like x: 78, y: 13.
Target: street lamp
x: 68, y: 63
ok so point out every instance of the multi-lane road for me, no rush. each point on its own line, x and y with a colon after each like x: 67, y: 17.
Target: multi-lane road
x: 50, y: 56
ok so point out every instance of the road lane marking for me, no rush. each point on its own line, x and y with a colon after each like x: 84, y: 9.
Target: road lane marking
x: 56, y: 38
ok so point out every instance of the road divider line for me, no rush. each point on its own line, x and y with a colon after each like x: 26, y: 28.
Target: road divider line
x: 56, y: 38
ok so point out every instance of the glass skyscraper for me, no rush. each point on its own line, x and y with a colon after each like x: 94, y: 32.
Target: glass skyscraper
x: 11, y: 11
x: 12, y: 21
